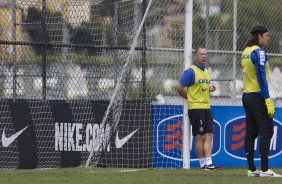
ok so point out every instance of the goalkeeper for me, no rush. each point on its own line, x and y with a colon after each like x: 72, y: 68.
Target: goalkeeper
x: 195, y: 87
x: 257, y: 103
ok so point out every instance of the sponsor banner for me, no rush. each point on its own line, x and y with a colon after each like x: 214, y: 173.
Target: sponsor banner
x: 228, y: 143
x: 69, y: 139
x: 168, y: 137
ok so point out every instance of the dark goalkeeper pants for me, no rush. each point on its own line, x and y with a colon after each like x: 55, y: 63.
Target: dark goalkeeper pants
x: 257, y: 123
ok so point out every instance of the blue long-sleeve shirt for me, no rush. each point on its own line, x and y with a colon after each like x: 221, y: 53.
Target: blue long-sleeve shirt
x: 259, y: 59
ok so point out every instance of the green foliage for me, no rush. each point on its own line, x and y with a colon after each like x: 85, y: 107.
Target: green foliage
x: 107, y: 9
x: 122, y: 38
x: 86, y: 34
x: 198, y: 33
x: 34, y: 27
x: 76, y: 58
x: 177, y: 65
x: 1, y: 89
x: 262, y: 12
x: 135, y: 91
x: 249, y: 13
x: 124, y: 18
x: 177, y: 33
x: 155, y: 16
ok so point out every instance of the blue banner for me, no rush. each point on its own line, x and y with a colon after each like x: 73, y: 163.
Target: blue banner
x: 228, y: 142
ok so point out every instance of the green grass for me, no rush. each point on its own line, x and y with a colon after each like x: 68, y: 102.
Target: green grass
x: 118, y: 176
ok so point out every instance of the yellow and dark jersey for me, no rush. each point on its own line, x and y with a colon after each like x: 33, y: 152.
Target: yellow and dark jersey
x: 197, y: 80
x: 255, y: 68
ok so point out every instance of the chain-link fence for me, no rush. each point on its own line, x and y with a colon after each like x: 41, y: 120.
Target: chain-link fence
x: 75, y: 49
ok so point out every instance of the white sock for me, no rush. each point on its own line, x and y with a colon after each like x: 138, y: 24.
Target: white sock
x: 208, y: 160
x: 202, y: 162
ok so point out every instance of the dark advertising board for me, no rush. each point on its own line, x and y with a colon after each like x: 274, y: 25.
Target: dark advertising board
x: 62, y: 134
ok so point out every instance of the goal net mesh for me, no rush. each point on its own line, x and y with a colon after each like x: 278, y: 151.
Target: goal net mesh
x: 115, y: 65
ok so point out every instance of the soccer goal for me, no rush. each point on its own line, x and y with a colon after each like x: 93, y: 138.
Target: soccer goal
x: 92, y: 82
x: 91, y: 74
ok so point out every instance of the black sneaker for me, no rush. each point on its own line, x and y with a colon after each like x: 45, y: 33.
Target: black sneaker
x: 212, y: 167
x: 203, y: 168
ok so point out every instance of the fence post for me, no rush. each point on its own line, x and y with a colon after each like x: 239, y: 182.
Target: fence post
x: 44, y: 47
x: 14, y: 51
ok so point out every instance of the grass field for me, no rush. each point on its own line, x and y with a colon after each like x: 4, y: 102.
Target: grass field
x: 138, y: 176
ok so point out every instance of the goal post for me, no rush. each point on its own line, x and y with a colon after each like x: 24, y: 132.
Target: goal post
x: 188, y: 61
x: 116, y: 102
x: 115, y: 106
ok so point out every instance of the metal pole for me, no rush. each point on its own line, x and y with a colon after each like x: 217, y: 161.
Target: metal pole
x: 14, y: 51
x: 115, y: 25
x: 188, y: 61
x: 115, y: 37
x: 234, y: 47
x: 44, y: 54
x: 144, y: 61
x: 207, y: 24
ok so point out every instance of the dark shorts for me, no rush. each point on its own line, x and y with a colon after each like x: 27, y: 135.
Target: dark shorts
x: 201, y: 121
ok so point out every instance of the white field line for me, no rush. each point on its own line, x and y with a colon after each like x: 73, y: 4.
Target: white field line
x: 131, y: 170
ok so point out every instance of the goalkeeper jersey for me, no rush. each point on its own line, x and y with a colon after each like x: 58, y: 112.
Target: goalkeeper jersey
x: 255, y: 67
x: 196, y: 80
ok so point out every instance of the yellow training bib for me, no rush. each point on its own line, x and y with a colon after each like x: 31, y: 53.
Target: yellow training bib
x: 249, y: 71
x: 198, y: 95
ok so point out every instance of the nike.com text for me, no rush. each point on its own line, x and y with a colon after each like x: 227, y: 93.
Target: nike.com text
x: 75, y: 137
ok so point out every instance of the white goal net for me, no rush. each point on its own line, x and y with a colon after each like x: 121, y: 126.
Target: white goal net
x: 97, y: 78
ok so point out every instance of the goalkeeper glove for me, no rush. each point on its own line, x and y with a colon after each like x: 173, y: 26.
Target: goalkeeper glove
x: 270, y: 107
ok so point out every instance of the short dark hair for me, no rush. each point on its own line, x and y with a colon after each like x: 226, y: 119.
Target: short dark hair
x: 199, y: 47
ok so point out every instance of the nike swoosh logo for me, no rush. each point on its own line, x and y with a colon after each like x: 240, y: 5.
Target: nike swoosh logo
x: 7, y: 141
x: 204, y: 89
x: 120, y: 142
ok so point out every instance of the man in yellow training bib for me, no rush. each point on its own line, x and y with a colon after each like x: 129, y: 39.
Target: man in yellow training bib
x: 195, y: 87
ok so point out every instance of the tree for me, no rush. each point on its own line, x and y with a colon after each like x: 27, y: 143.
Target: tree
x: 261, y: 12
x: 86, y: 34
x: 34, y: 27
